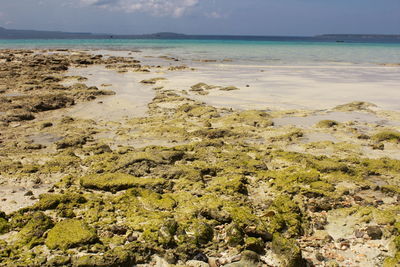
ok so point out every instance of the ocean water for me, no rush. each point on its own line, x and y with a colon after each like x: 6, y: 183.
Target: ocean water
x: 238, y: 51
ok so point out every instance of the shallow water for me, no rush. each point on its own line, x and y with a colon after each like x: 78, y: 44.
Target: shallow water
x: 264, y: 52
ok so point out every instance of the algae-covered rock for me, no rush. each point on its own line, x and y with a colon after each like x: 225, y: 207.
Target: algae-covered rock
x: 254, y: 244
x: 286, y: 217
x: 326, y: 124
x: 288, y: 251
x: 32, y: 233
x: 255, y: 118
x: 389, y: 135
x: 235, y: 235
x: 118, y: 181
x: 59, y: 260
x: 355, y: 106
x: 70, y: 233
x: 231, y: 184
x: 4, y: 226
x: 323, y: 186
x: 117, y: 257
x: 51, y: 201
x: 5, y: 250
x: 200, y: 232
x: 72, y: 141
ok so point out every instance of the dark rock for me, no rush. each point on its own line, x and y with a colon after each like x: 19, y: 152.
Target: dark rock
x: 29, y: 193
x: 256, y: 232
x: 118, y: 229
x: 201, y: 257
x: 374, y: 232
x: 319, y: 257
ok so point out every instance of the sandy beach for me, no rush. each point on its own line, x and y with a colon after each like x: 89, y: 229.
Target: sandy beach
x: 138, y: 158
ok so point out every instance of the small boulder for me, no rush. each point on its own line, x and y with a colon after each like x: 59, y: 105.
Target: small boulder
x: 70, y: 233
x: 374, y: 232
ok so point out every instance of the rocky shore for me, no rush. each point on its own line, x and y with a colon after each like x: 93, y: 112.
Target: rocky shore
x: 188, y: 184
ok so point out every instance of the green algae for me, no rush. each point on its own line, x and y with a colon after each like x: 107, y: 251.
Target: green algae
x: 326, y: 124
x: 291, y: 179
x: 355, y: 106
x: 388, y: 135
x: 254, y: 244
x: 228, y: 185
x: 288, y: 251
x: 235, y: 235
x: 32, y: 234
x: 252, y: 118
x: 70, y: 233
x: 286, y: 217
x: 292, y: 135
x: 4, y: 226
x: 61, y: 163
x: 322, y: 186
x: 118, y: 181
x: 52, y: 201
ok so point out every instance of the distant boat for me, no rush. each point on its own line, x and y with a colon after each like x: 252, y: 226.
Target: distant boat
x: 339, y: 41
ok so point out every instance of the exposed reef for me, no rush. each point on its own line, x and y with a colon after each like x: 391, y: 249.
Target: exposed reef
x: 189, y: 184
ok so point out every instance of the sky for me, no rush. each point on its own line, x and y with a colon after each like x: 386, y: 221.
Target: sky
x: 237, y: 17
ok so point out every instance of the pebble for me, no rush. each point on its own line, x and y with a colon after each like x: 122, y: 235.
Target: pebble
x: 374, y: 232
x: 29, y: 193
x: 201, y: 257
x: 132, y: 237
x: 319, y: 257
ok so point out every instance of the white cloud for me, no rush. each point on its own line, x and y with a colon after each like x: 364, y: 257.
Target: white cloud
x: 174, y: 8
x: 215, y: 15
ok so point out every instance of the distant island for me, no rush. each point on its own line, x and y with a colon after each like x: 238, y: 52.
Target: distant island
x: 36, y: 34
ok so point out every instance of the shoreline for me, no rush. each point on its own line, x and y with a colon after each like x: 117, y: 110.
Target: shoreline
x: 177, y: 176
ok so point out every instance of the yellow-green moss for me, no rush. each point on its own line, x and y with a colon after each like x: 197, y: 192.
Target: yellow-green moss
x: 326, y: 124
x: 254, y: 244
x: 388, y: 135
x: 4, y: 226
x: 253, y: 118
x: 51, y: 201
x: 288, y: 251
x: 228, y: 184
x: 286, y: 217
x: 323, y: 186
x: 70, y: 233
x: 32, y: 233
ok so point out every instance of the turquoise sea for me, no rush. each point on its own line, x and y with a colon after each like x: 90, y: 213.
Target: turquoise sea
x: 249, y: 52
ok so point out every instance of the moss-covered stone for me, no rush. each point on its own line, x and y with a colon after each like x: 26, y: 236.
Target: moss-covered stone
x: 70, y: 233
x: 235, y: 235
x: 32, y: 233
x: 229, y: 184
x: 117, y: 257
x: 322, y: 186
x: 326, y: 124
x: 286, y: 217
x: 4, y: 226
x: 355, y: 106
x: 118, y: 181
x: 52, y: 201
x: 388, y: 135
x: 288, y: 251
x: 254, y: 244
x: 201, y: 231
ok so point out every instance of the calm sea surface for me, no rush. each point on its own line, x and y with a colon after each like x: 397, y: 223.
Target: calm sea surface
x: 239, y: 51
